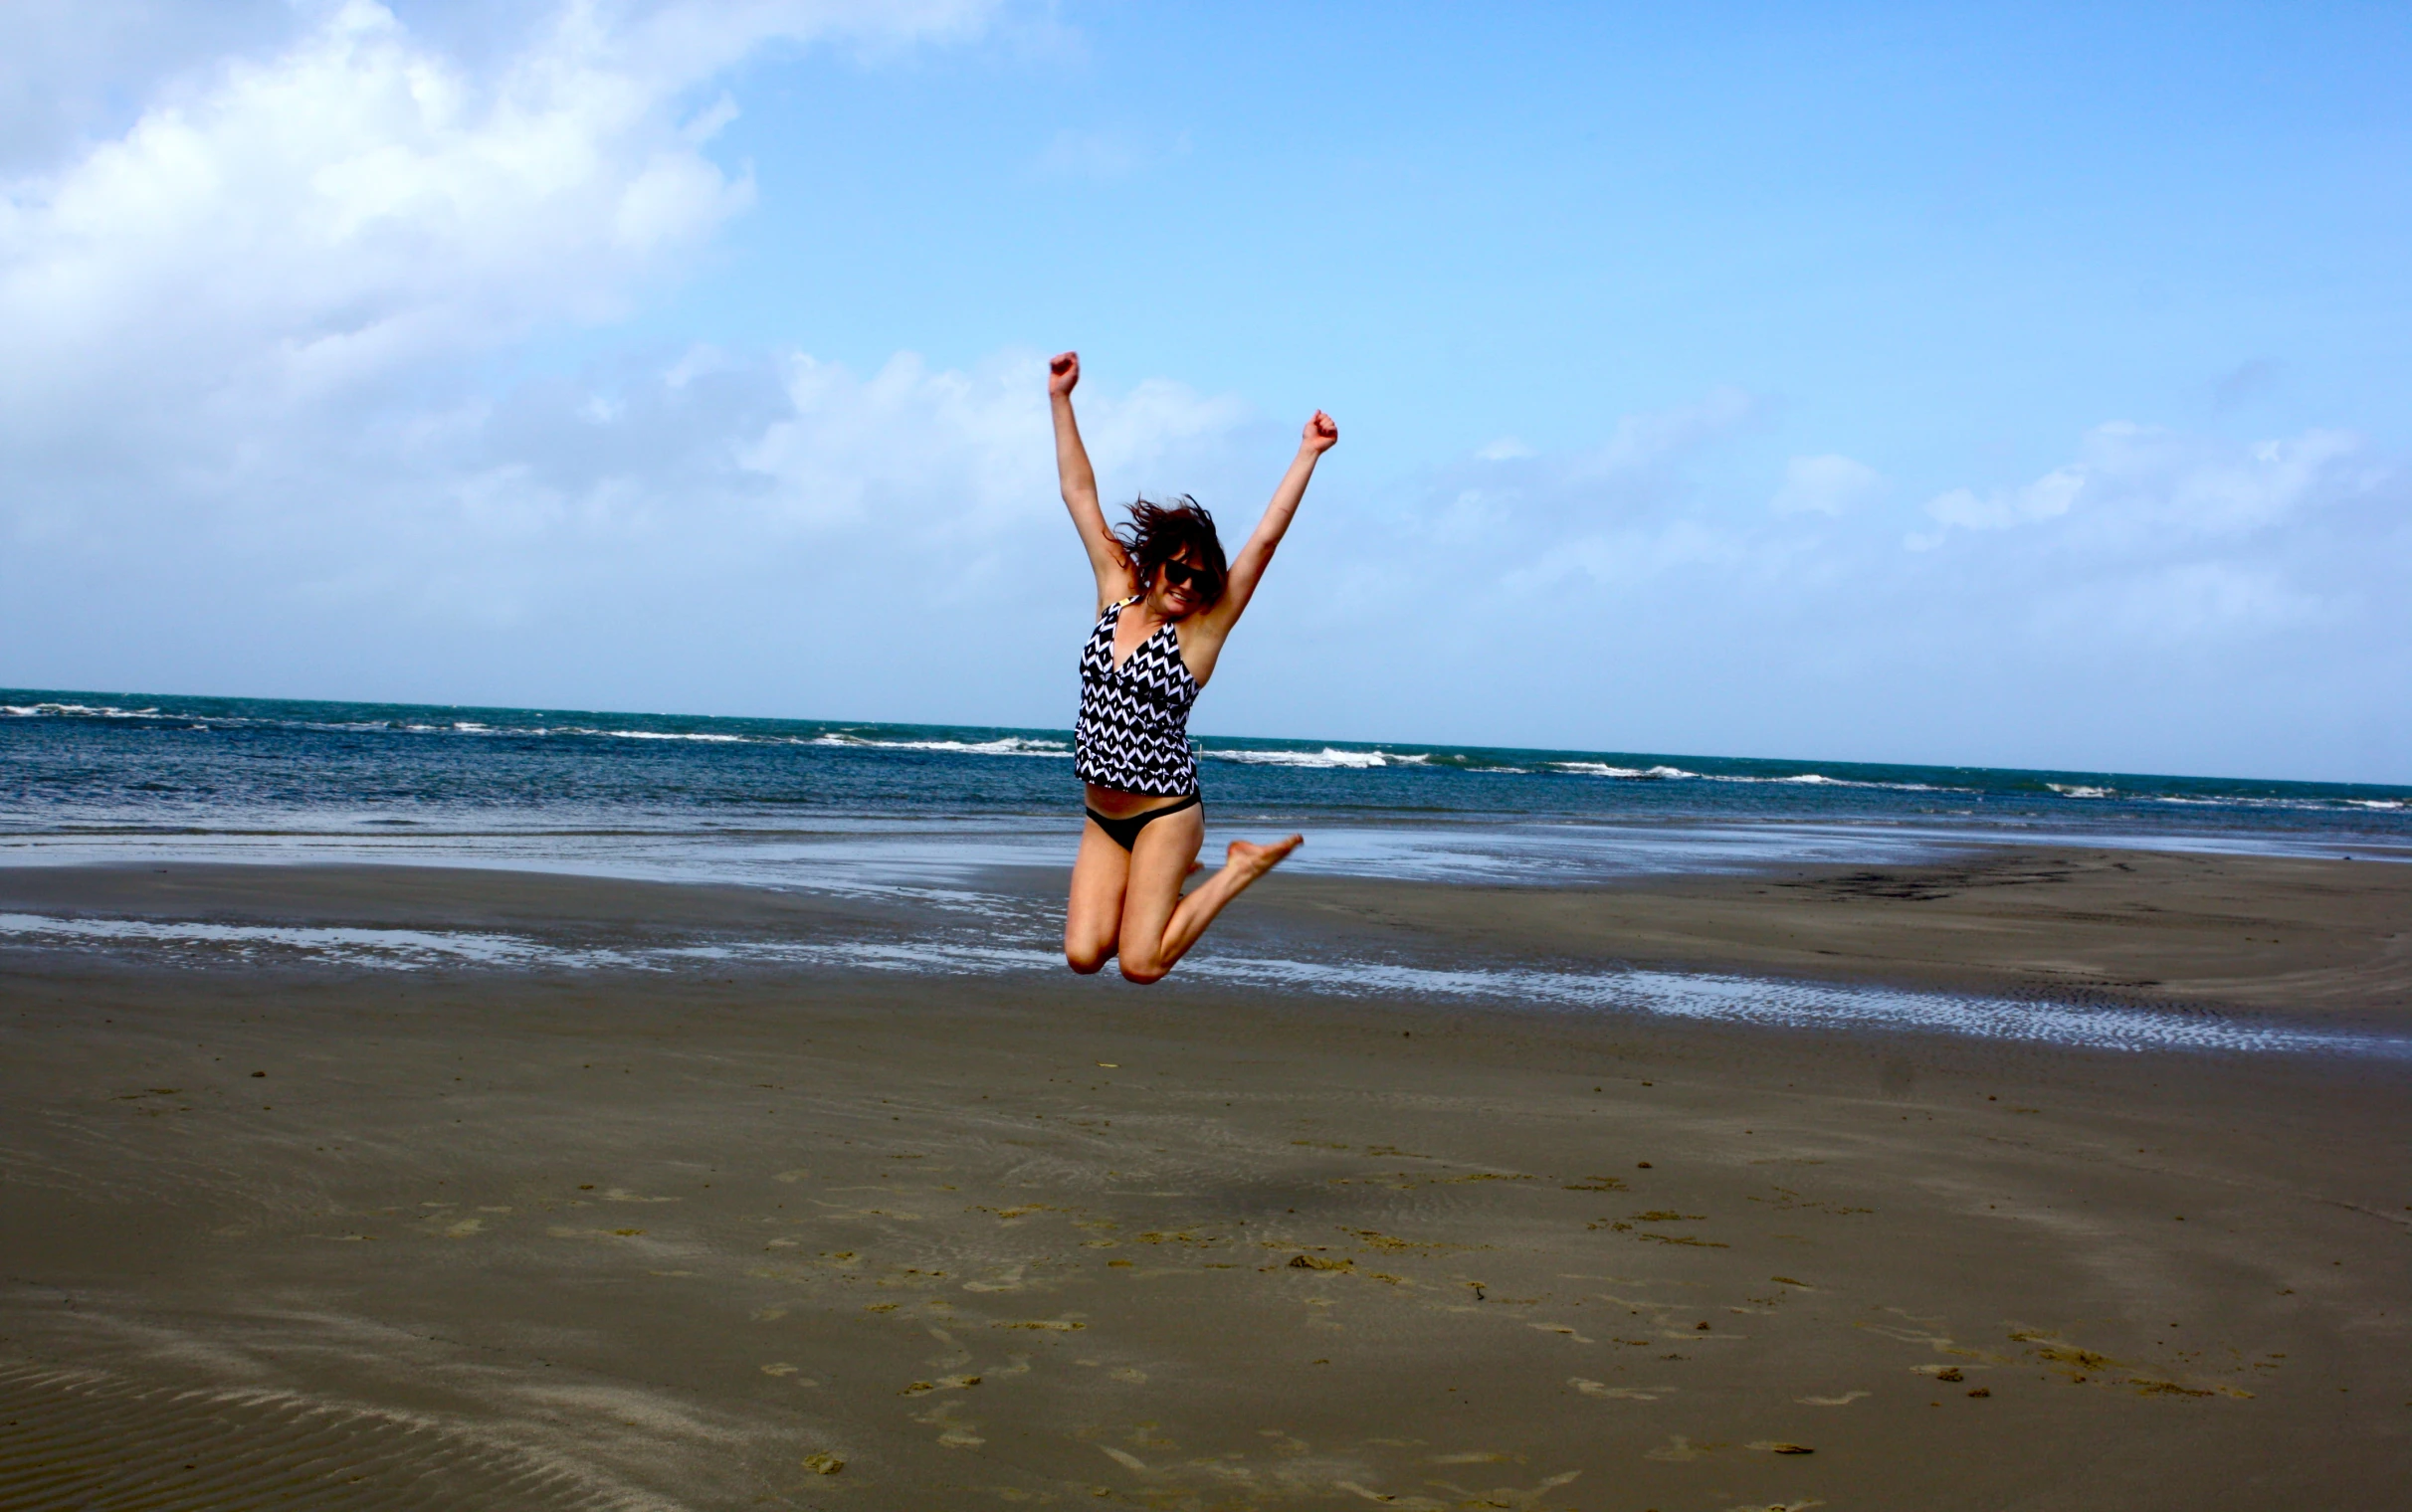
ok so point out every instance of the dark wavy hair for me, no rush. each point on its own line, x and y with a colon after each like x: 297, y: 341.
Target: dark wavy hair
x: 1159, y: 532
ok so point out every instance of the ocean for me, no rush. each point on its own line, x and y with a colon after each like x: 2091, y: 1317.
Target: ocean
x: 921, y: 813
x: 90, y: 772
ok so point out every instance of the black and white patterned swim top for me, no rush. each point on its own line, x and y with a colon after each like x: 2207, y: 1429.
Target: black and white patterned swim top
x: 1134, y: 732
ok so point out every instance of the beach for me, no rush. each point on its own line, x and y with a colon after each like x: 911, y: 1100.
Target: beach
x: 637, y: 1210
x: 623, y: 616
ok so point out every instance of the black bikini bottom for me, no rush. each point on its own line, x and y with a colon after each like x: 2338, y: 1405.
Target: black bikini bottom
x: 1123, y: 832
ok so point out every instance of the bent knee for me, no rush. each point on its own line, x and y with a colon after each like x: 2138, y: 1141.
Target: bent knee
x: 1143, y: 972
x: 1087, y: 962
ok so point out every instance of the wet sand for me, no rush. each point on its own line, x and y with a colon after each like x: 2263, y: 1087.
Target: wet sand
x: 766, y: 1237
x: 2294, y: 937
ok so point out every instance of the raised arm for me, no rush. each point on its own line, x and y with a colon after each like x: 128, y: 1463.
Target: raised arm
x: 1320, y: 435
x: 1079, y: 484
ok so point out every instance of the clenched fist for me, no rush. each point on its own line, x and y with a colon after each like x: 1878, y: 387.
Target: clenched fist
x: 1063, y: 373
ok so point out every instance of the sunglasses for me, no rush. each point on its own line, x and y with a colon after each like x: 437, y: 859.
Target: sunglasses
x: 1183, y: 575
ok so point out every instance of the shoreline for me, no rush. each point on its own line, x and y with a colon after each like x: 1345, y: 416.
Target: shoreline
x: 2319, y: 945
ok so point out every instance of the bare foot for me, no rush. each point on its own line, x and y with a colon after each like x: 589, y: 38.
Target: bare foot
x: 1252, y: 861
x: 1194, y: 868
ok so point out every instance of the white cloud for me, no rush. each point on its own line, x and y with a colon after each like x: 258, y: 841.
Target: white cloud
x: 71, y: 66
x: 2182, y: 604
x: 359, y: 203
x: 767, y: 529
x: 1511, y: 523
x: 241, y: 394
x: 2131, y: 477
x: 2137, y: 607
x: 966, y: 454
x: 1644, y: 441
x: 2045, y: 498
x: 1827, y: 485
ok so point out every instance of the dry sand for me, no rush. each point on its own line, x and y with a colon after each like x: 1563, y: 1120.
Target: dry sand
x: 299, y: 1235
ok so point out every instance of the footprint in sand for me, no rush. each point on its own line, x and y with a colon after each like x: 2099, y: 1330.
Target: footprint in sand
x: 952, y: 1435
x: 1845, y: 1400
x: 951, y: 1382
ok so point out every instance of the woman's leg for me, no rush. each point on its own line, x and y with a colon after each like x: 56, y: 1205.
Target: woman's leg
x: 1094, y: 923
x: 1158, y: 923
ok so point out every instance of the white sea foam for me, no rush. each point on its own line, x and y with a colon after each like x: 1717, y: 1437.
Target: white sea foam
x: 77, y: 711
x: 697, y: 736
x: 1328, y: 757
x: 394, y: 949
x: 1821, y: 780
x: 1663, y: 773
x: 2077, y: 789
x: 1008, y: 745
x: 1603, y: 769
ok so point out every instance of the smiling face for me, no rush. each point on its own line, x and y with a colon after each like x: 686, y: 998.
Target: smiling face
x: 1180, y: 585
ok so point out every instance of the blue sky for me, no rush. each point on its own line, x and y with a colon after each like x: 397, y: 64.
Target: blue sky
x: 2007, y: 227
x: 1922, y: 383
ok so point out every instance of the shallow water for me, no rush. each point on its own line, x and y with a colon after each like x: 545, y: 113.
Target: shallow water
x: 1711, y: 996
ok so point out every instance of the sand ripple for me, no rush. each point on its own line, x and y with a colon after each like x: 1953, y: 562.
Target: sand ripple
x: 85, y: 1441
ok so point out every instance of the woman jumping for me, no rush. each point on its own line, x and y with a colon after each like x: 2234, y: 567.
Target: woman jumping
x: 1166, y: 602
